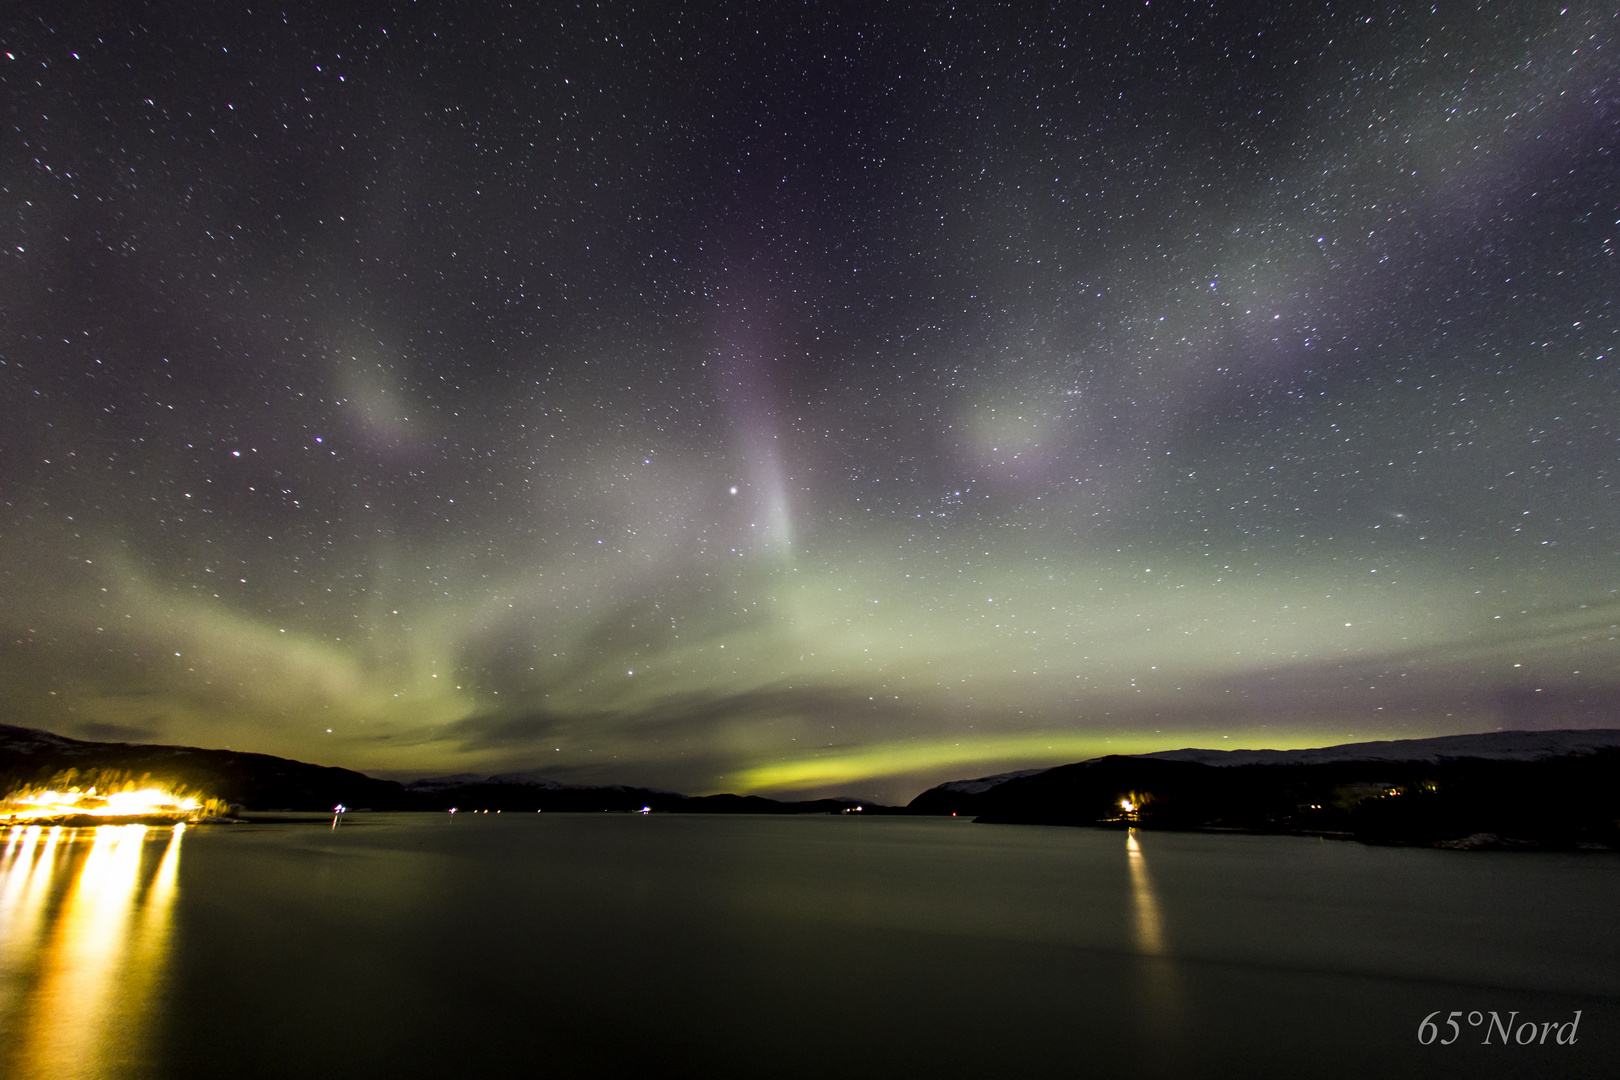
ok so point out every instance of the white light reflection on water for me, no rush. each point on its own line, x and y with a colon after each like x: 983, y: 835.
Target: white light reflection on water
x: 82, y: 947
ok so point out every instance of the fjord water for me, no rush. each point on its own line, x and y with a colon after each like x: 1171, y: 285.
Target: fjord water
x: 687, y: 946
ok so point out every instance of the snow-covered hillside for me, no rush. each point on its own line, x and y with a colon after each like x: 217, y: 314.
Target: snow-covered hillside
x: 984, y: 783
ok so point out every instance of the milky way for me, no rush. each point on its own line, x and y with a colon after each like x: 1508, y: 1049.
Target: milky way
x: 805, y: 398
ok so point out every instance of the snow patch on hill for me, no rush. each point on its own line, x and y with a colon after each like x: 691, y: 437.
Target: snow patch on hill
x: 984, y: 783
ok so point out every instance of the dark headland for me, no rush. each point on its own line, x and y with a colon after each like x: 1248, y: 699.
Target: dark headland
x: 1505, y: 789
x: 1508, y: 789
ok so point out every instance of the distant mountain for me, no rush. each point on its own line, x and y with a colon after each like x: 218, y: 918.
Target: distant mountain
x: 528, y: 792
x: 1545, y: 789
x: 264, y: 782
x: 1489, y: 746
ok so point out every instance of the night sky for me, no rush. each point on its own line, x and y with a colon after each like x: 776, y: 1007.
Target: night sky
x: 804, y: 398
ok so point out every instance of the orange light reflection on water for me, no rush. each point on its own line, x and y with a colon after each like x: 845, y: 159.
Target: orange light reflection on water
x: 1145, y: 905
x: 83, y: 943
x: 1159, y: 987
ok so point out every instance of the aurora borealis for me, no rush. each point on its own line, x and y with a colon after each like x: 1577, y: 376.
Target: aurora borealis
x: 806, y: 398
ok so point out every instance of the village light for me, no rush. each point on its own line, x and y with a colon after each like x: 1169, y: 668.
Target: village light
x: 49, y: 804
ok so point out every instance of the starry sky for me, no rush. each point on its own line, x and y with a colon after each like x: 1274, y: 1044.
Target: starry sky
x: 804, y: 398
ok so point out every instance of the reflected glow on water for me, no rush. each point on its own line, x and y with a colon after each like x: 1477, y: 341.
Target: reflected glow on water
x: 1144, y: 901
x: 1159, y: 992
x: 25, y: 881
x: 82, y: 946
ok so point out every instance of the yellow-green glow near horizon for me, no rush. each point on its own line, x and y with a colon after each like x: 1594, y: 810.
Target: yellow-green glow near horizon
x: 873, y: 763
x: 889, y: 677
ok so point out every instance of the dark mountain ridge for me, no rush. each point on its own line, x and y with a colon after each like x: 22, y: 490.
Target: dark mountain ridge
x: 255, y: 782
x: 1502, y: 789
x: 1542, y: 789
x: 528, y: 792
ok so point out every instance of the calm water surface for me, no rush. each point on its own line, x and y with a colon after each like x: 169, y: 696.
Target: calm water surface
x: 684, y: 946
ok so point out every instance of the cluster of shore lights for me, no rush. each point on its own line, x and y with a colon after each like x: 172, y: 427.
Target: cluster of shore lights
x: 131, y: 802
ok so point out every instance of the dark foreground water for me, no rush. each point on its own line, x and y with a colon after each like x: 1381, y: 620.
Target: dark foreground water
x: 611, y: 945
